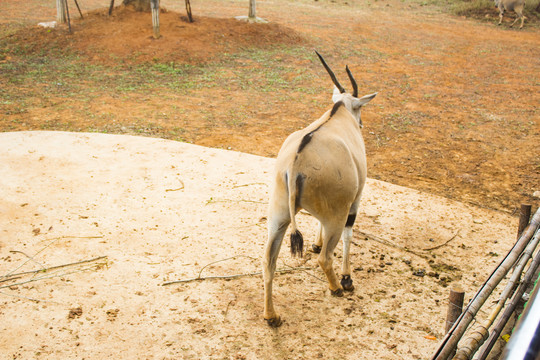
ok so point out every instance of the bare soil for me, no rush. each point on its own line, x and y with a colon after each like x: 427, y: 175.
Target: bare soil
x: 162, y: 211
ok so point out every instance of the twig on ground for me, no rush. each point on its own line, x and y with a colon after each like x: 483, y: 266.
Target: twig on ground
x: 180, y: 188
x: 28, y: 256
x: 391, y: 244
x: 257, y: 183
x: 444, y: 244
x: 52, y: 241
x: 213, y: 201
x: 234, y: 276
x: 18, y: 275
x: 46, y: 277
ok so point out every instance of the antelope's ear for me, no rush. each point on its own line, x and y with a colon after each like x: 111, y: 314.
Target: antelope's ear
x: 336, y: 96
x: 363, y: 100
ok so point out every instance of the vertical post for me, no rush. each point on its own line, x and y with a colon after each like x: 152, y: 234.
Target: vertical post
x: 154, y: 4
x: 455, y: 307
x: 111, y: 6
x: 524, y: 216
x: 188, y: 11
x: 252, y: 10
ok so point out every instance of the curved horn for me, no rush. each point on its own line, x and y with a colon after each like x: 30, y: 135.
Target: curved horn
x: 353, y: 82
x: 332, y: 76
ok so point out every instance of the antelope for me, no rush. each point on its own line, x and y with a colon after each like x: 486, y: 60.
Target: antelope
x: 515, y: 5
x: 321, y: 169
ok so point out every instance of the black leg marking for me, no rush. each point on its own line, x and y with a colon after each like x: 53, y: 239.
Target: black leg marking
x: 316, y: 249
x: 346, y: 282
x: 350, y: 220
x: 275, y: 322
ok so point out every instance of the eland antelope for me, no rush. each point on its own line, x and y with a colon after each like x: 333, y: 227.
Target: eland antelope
x: 321, y: 169
x: 515, y: 5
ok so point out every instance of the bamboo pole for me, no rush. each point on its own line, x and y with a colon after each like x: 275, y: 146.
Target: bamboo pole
x: 528, y: 278
x: 481, y: 333
x: 452, y: 338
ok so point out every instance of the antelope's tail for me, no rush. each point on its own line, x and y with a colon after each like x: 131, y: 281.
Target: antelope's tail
x: 295, y: 183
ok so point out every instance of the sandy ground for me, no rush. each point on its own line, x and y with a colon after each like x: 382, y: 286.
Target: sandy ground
x: 161, y: 210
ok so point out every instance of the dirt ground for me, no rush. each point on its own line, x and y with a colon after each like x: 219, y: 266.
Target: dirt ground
x: 162, y: 211
x: 456, y: 115
x: 456, y: 118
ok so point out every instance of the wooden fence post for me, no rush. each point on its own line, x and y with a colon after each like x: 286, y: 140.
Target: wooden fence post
x: 455, y: 307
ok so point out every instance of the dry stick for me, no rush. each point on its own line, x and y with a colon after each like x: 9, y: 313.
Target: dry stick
x: 180, y: 188
x: 67, y: 15
x: 45, y: 278
x: 477, y: 338
x: 212, y: 201
x: 528, y: 278
x: 233, y: 276
x: 441, y: 245
x: 391, y: 244
x: 451, y: 339
x: 199, y: 277
x: 28, y: 256
x: 10, y: 277
x: 78, y: 8
x: 49, y: 244
x: 256, y: 183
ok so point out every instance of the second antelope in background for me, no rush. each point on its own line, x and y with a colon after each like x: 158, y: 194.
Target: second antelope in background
x: 321, y: 169
x: 511, y: 5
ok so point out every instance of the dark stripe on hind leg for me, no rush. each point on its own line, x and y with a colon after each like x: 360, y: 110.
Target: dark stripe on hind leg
x: 350, y: 220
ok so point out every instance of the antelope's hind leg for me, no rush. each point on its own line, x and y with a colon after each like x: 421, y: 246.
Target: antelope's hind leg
x: 317, y: 246
x: 331, y: 236
x: 276, y: 231
x: 346, y: 281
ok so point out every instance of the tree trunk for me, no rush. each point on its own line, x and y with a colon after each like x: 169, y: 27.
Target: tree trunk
x: 60, y: 12
x: 188, y: 11
x: 155, y: 17
x: 252, y: 11
x: 139, y: 5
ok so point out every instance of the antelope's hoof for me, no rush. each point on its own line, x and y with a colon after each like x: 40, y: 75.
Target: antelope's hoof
x: 316, y: 249
x: 274, y: 322
x: 346, y: 282
x: 337, y: 293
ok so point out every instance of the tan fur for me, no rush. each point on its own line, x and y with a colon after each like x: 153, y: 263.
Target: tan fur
x: 334, y: 167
